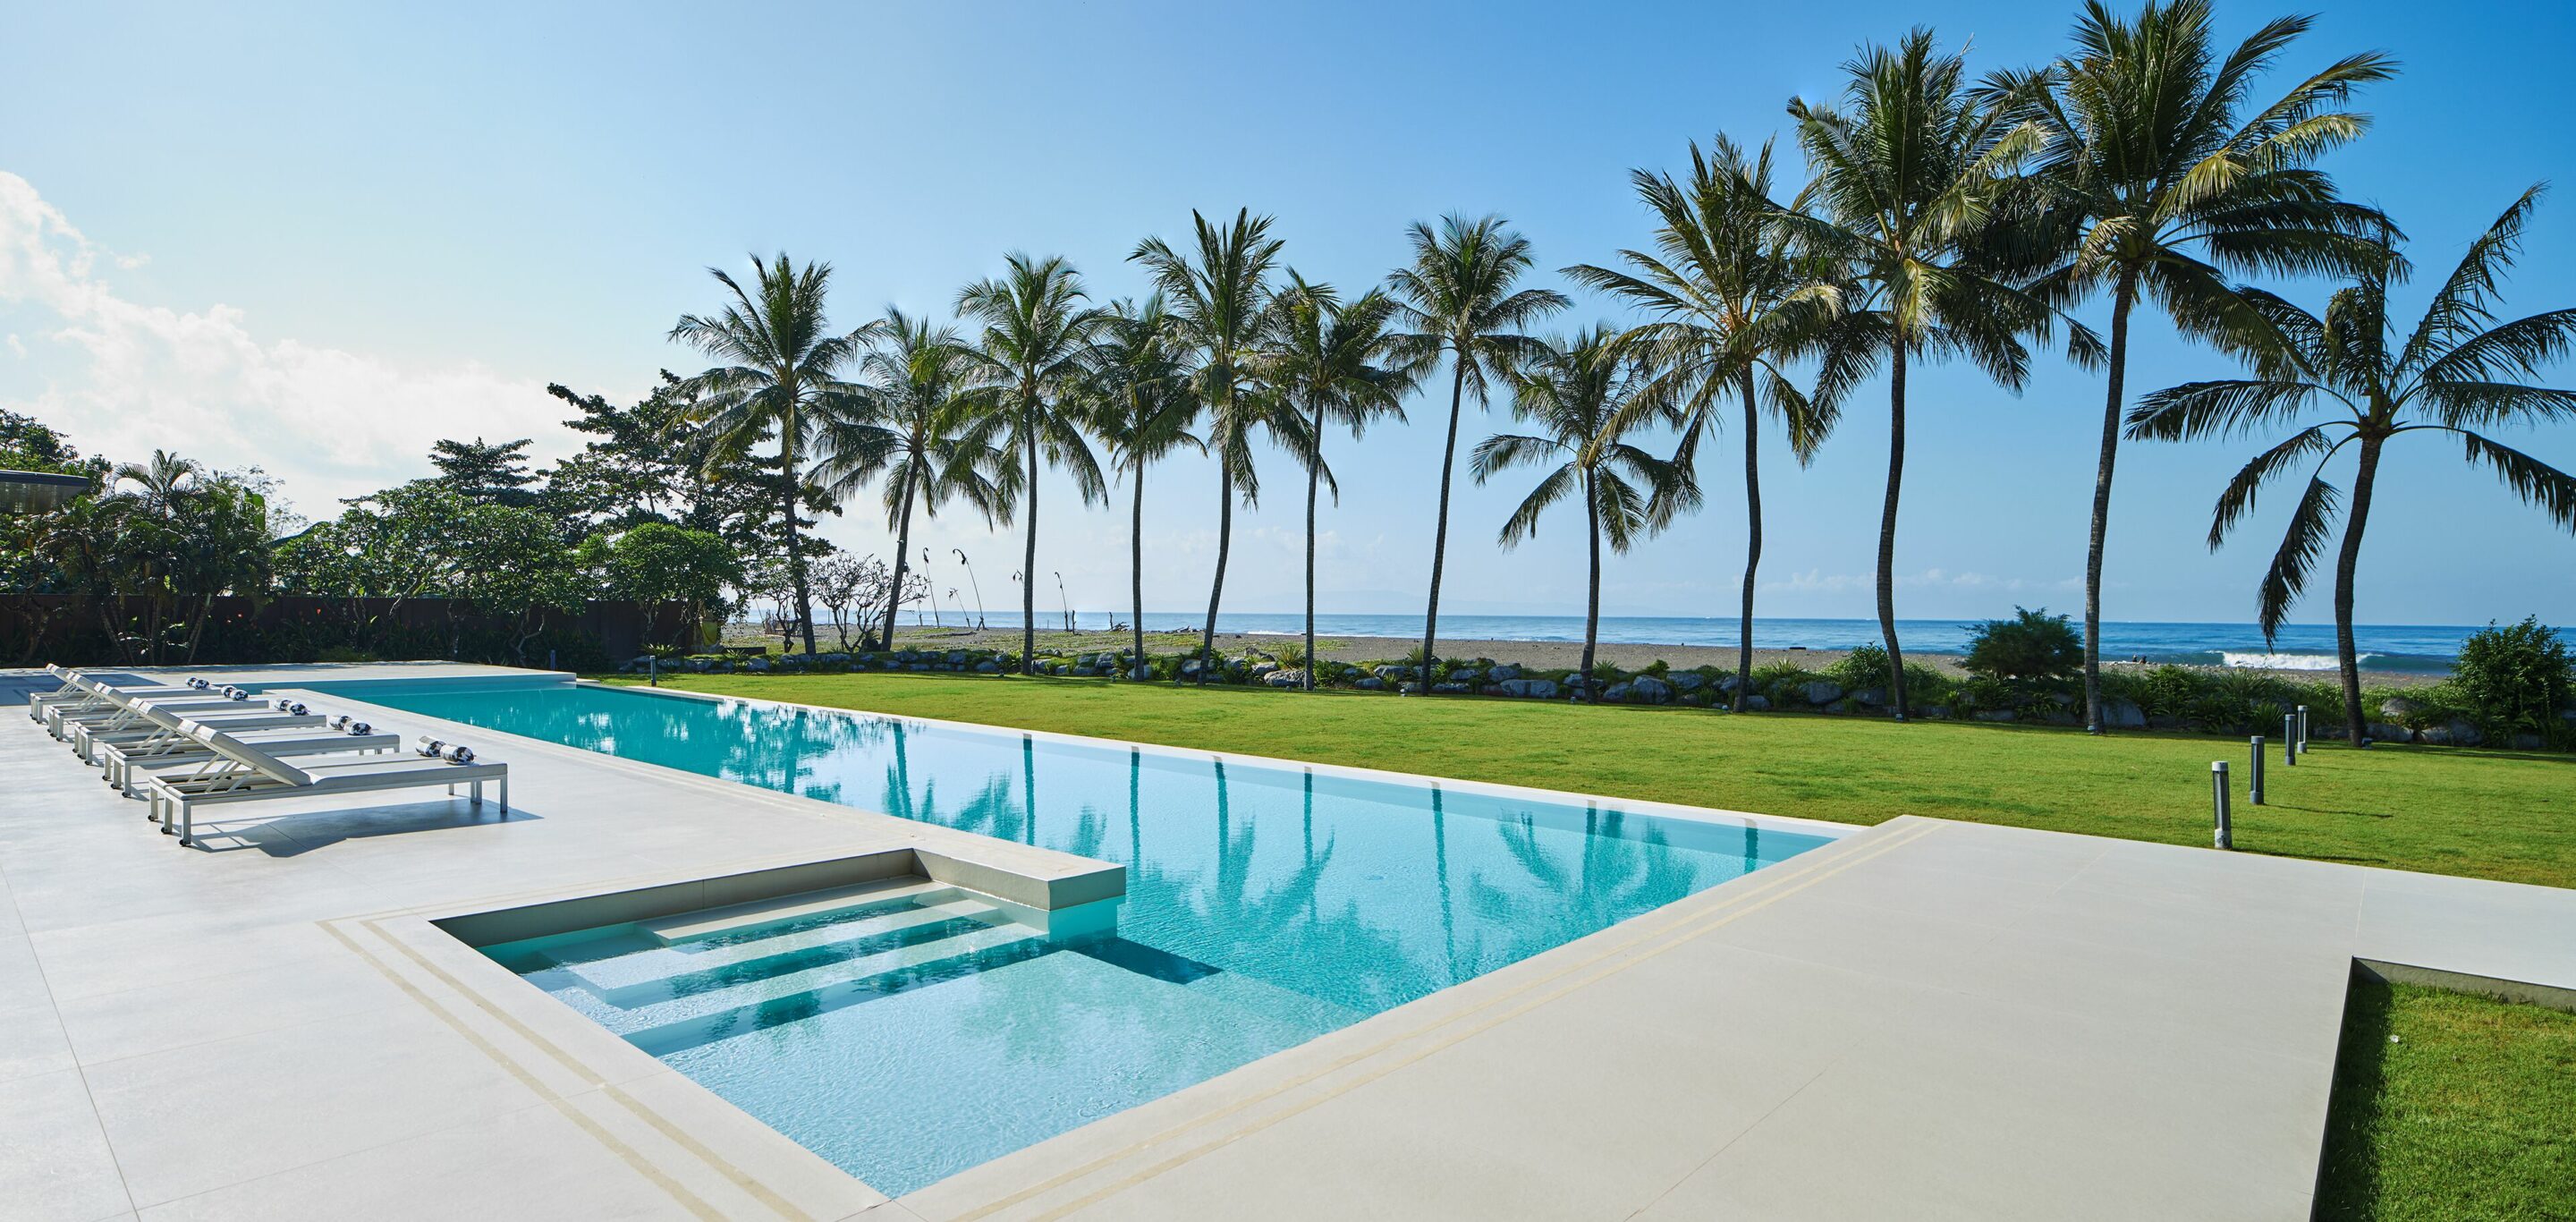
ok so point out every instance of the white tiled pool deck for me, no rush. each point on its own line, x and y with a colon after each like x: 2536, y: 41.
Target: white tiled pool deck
x: 1924, y: 1020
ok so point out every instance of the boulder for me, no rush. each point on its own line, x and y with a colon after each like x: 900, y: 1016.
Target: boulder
x: 1466, y: 675
x: 1391, y: 672
x: 1285, y: 678
x: 956, y: 657
x: 1189, y: 666
x: 2399, y: 708
x: 1615, y: 693
x: 2386, y: 732
x: 1536, y: 689
x: 988, y: 667
x: 1504, y: 673
x: 1142, y: 671
x: 2118, y: 714
x: 1371, y: 684
x: 1995, y: 715
x: 1686, y: 680
x: 1821, y: 691
x: 1757, y: 704
x: 1873, y: 697
x: 1451, y: 689
x: 1264, y: 668
x: 1647, y: 689
x: 756, y: 665
x: 1726, y: 684
x: 2454, y: 733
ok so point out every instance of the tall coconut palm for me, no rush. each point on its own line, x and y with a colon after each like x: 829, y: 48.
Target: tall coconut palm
x: 1456, y: 299
x: 2161, y: 177
x: 1036, y: 349
x: 1902, y: 182
x: 1581, y: 393
x: 920, y: 386
x: 2457, y: 372
x: 1734, y: 302
x: 1142, y: 409
x: 1335, y: 362
x: 781, y: 374
x: 1219, y: 292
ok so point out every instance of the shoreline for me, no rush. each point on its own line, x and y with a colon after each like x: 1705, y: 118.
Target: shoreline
x: 1539, y: 655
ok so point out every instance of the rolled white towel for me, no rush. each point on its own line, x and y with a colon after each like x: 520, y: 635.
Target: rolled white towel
x: 431, y: 746
x: 198, y: 682
x: 340, y: 721
x: 296, y: 709
x: 457, y: 754
x: 359, y: 728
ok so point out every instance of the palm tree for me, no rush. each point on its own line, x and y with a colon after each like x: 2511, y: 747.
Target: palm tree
x: 1142, y: 409
x: 1219, y: 294
x: 2160, y: 178
x: 1903, y: 182
x: 1332, y: 359
x: 919, y: 385
x: 782, y: 374
x: 1734, y: 301
x: 2457, y: 372
x: 1035, y: 347
x: 1456, y: 299
x: 1582, y: 394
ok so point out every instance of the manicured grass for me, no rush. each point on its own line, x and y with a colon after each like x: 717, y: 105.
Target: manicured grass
x: 2490, y: 814
x: 2449, y: 1106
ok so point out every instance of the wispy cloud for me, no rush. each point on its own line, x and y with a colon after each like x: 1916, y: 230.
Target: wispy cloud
x: 125, y: 377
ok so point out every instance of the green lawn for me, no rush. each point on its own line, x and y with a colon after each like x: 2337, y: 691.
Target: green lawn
x: 2449, y: 1106
x: 2492, y: 814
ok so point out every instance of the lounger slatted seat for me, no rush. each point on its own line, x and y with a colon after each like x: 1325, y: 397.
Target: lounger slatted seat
x: 241, y: 772
x: 171, y: 745
x: 87, y: 741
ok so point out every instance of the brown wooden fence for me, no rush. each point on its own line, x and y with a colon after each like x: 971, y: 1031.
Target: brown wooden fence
x: 79, y: 630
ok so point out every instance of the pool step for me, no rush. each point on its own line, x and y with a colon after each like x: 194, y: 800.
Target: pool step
x: 721, y: 1014
x: 665, y: 975
x: 758, y: 914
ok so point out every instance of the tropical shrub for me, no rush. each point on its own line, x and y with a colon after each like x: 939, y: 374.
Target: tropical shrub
x: 2516, y: 678
x: 2031, y: 649
x: 1866, y: 667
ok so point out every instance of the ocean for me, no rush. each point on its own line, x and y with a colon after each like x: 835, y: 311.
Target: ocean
x: 2421, y: 648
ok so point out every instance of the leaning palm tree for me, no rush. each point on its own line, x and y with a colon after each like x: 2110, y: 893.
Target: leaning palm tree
x: 2457, y: 372
x: 919, y: 385
x: 1456, y: 299
x: 2161, y: 177
x: 1219, y: 293
x: 1334, y: 361
x: 1142, y: 406
x: 1902, y: 183
x: 782, y: 374
x: 1035, y: 348
x: 1733, y: 301
x: 1582, y: 394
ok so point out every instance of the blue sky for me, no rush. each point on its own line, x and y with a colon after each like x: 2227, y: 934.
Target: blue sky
x: 319, y: 237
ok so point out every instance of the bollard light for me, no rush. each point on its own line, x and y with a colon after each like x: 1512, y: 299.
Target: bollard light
x: 2218, y: 802
x: 2303, y: 729
x: 2254, y: 779
x: 2290, y: 739
x: 653, y: 668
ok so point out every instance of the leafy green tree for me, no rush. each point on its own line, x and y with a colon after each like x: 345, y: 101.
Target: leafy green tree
x: 494, y: 472
x: 1733, y: 301
x: 1903, y: 178
x: 923, y: 386
x: 660, y: 565
x: 2161, y: 175
x: 781, y: 378
x: 383, y: 551
x: 509, y: 562
x: 1219, y: 297
x: 1456, y: 299
x: 29, y: 444
x: 1580, y: 393
x: 1336, y: 362
x: 2028, y: 650
x: 2519, y: 676
x: 1142, y: 406
x: 2456, y: 373
x: 1036, y: 349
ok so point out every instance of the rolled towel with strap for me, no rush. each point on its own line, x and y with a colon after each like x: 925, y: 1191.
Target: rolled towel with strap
x: 459, y: 754
x: 198, y: 683
x: 356, y: 728
x: 431, y: 746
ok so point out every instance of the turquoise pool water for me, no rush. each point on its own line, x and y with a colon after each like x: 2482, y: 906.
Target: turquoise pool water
x: 1266, y: 905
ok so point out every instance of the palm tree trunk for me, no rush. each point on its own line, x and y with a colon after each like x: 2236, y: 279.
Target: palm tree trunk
x: 1752, y: 547
x: 795, y: 553
x: 902, y: 552
x: 1216, y: 589
x: 1029, y: 565
x: 2346, y: 658
x: 1887, y: 528
x: 1440, y: 531
x: 1136, y: 571
x: 1592, y: 585
x: 2122, y: 298
x: 1314, y: 479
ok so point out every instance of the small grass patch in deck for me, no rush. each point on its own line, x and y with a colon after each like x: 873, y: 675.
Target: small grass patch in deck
x: 2450, y: 1106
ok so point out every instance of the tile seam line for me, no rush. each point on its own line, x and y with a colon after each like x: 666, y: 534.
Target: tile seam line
x: 723, y: 1167
x: 1729, y: 1143
x: 1639, y: 948
x: 547, y: 1096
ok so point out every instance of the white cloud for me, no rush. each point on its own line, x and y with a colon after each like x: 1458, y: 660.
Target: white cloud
x: 1817, y: 581
x: 132, y: 377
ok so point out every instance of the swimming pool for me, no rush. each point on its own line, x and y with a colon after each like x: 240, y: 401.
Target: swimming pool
x: 908, y: 1039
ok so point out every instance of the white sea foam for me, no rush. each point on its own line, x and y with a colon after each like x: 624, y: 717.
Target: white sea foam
x: 2286, y: 661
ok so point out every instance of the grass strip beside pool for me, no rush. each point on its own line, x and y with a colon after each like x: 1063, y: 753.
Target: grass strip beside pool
x: 2450, y: 1106
x: 2486, y: 814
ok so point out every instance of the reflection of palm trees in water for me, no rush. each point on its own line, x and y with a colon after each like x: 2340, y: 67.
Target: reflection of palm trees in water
x: 782, y: 749
x: 1612, y: 877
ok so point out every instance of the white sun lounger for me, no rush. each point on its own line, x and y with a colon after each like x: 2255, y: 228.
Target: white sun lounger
x: 168, y: 741
x: 73, y: 690
x: 187, y: 770
x: 242, y: 772
x: 131, y: 716
x: 90, y: 699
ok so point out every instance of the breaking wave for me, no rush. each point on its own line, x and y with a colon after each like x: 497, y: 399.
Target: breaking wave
x: 2286, y: 661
